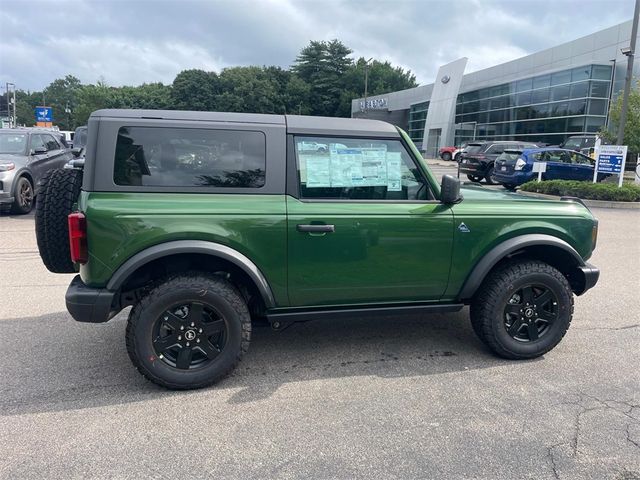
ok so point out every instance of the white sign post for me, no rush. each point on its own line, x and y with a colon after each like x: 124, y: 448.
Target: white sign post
x: 539, y: 167
x: 610, y: 159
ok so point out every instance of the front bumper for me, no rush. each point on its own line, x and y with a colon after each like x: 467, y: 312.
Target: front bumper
x: 86, y: 304
x: 6, y: 198
x: 587, y: 278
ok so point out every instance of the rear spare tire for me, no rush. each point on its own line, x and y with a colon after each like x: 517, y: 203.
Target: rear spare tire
x: 59, y: 191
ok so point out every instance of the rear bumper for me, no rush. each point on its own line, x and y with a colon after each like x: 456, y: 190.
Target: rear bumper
x: 514, y: 178
x: 479, y: 169
x: 86, y: 304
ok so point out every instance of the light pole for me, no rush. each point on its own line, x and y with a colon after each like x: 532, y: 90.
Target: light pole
x: 366, y: 83
x: 12, y: 120
x: 629, y: 53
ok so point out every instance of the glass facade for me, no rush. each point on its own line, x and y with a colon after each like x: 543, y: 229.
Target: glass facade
x: 417, y: 119
x: 544, y: 108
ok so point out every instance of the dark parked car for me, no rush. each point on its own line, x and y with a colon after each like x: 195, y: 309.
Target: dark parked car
x: 478, y: 158
x: 515, y: 167
x: 580, y: 143
x: 25, y: 156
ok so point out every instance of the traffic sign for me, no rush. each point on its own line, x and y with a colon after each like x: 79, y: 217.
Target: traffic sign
x: 44, y: 114
x: 610, y: 159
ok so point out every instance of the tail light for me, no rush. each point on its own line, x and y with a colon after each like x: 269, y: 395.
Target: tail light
x: 78, y: 237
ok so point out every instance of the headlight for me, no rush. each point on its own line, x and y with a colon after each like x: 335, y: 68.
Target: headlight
x: 520, y: 163
x: 5, y: 167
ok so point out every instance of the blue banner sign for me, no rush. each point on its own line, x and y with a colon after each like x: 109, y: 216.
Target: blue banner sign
x: 44, y: 114
x: 609, y: 163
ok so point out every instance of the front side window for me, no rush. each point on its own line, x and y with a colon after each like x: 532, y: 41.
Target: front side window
x: 37, y: 142
x: 189, y: 157
x: 50, y: 142
x: 357, y: 169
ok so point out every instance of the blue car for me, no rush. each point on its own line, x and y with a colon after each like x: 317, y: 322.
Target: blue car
x: 515, y: 167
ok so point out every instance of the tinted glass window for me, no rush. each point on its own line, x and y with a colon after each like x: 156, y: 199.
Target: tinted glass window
x: 474, y: 148
x: 37, y: 142
x: 597, y: 107
x: 561, y: 77
x: 188, y: 157
x: 50, y: 142
x: 542, y: 81
x: 581, y: 73
x: 358, y: 169
x: 600, y: 89
x: 579, y: 90
x: 601, y: 72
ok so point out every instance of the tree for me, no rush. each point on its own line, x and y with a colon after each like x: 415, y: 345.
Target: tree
x: 322, y: 66
x: 92, y: 98
x: 195, y: 90
x: 632, y: 125
x: 61, y: 95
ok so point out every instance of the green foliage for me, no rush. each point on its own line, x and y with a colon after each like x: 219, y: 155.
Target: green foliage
x: 323, y: 81
x: 632, y: 124
x: 586, y: 190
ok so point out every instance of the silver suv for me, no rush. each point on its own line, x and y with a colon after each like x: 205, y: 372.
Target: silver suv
x: 26, y: 154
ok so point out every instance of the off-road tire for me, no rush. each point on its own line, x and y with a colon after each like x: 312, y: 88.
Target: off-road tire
x: 58, y: 193
x: 487, y: 307
x: 202, y: 287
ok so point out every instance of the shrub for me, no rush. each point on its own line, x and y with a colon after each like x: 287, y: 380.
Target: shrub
x: 586, y: 190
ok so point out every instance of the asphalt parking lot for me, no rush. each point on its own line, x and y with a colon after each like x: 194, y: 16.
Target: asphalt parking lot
x: 410, y: 398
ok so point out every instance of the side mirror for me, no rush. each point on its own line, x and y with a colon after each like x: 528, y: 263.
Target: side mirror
x: 450, y: 190
x: 38, y: 151
x: 76, y: 151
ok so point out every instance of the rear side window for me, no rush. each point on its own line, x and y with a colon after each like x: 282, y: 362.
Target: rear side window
x: 473, y: 148
x: 189, y: 157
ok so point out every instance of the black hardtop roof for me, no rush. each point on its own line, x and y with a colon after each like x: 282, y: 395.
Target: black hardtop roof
x: 300, y: 124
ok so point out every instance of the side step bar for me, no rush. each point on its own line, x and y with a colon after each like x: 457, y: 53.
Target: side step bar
x: 282, y: 319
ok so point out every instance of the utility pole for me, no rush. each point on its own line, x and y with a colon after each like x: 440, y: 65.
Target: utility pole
x: 629, y: 52
x: 8, y: 105
x: 13, y: 122
x: 366, y: 83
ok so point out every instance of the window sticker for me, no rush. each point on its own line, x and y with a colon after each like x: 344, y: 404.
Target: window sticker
x: 394, y: 172
x: 317, y: 172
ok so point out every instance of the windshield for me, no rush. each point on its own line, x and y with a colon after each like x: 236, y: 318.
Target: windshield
x: 13, y: 143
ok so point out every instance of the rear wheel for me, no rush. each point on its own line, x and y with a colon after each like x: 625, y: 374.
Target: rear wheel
x: 474, y: 178
x: 59, y: 191
x: 523, y: 309
x: 189, y: 331
x: 489, y: 176
x: 457, y: 157
x: 446, y: 156
x: 508, y: 186
x: 23, y: 196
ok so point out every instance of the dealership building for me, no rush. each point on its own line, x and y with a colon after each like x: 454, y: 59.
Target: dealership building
x: 543, y: 97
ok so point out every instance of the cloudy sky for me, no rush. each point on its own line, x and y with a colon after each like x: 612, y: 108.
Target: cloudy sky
x: 129, y: 42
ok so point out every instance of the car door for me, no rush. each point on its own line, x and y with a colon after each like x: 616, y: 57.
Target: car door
x: 39, y: 156
x: 363, y: 225
x: 554, y: 169
x: 57, y: 154
x: 583, y: 167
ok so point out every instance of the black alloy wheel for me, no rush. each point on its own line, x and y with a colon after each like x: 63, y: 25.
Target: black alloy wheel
x: 530, y: 313
x: 446, y: 156
x: 189, y: 336
x: 23, y: 196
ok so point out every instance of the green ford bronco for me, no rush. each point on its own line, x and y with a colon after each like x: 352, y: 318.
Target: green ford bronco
x: 204, y: 222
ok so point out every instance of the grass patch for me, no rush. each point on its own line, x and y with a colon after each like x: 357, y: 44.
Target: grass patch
x: 629, y: 192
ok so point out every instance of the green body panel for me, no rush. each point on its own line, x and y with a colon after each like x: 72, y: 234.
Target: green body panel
x: 495, y: 216
x: 379, y: 252
x: 119, y: 225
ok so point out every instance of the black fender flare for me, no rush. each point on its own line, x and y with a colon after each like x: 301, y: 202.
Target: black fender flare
x: 509, y: 246
x: 240, y: 260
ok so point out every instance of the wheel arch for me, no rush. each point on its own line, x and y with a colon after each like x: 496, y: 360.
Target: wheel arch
x: 214, y: 255
x: 552, y: 250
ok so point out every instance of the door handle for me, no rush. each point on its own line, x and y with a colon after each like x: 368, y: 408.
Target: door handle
x: 316, y: 228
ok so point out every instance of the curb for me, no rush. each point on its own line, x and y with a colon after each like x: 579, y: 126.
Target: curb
x: 589, y: 203
x: 442, y: 163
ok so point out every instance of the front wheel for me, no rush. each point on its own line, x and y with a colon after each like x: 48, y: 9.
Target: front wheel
x: 189, y: 332
x: 523, y: 309
x: 23, y: 202
x: 489, y: 176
